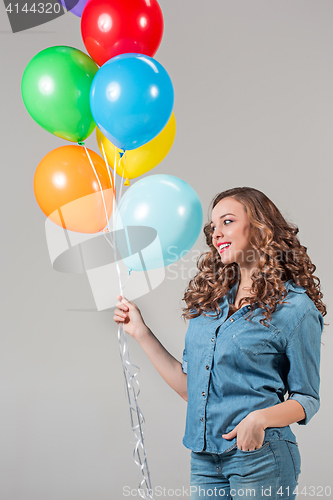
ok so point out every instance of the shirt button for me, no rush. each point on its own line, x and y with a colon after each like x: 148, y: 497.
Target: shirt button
x: 203, y: 393
x: 201, y: 419
x: 207, y: 367
x: 213, y: 339
x: 231, y: 319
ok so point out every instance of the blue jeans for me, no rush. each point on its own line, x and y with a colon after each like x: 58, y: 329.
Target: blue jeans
x: 269, y: 472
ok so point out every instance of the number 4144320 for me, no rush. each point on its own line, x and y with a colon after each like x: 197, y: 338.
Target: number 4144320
x: 36, y: 8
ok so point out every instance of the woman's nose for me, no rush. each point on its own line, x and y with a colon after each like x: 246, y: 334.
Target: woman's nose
x: 217, y: 234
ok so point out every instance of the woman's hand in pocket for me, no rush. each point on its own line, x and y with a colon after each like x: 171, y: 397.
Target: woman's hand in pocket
x: 250, y: 433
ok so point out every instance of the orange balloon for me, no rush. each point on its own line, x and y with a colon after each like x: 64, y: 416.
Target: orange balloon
x: 67, y: 191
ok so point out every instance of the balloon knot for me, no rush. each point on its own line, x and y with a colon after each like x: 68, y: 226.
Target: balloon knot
x: 127, y: 183
x: 129, y: 271
x: 81, y: 143
x: 121, y: 153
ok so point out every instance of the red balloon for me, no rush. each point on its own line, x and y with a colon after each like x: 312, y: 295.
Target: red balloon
x: 113, y: 27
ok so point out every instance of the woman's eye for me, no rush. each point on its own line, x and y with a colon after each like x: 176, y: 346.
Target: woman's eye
x: 227, y: 220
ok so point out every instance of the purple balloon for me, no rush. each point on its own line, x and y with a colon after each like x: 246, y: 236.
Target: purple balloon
x: 74, y: 6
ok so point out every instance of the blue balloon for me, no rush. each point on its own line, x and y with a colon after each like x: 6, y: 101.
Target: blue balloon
x: 131, y: 99
x: 159, y: 220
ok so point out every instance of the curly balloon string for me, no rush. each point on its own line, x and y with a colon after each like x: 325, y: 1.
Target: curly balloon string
x: 135, y: 412
x: 124, y: 352
x: 130, y: 379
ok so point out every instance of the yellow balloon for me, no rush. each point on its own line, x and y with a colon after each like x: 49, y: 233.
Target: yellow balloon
x: 140, y: 160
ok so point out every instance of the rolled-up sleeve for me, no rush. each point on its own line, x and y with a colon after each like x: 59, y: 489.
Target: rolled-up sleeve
x: 303, y: 352
x: 184, y: 361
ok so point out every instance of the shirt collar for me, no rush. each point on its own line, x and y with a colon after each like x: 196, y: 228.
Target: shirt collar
x: 289, y: 285
x: 231, y: 295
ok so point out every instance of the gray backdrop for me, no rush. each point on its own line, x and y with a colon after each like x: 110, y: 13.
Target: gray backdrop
x: 253, y: 86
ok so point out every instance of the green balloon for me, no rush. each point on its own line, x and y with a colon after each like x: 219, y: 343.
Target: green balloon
x: 55, y: 90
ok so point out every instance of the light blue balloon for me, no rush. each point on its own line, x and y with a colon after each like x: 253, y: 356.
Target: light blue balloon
x: 131, y: 99
x: 159, y: 220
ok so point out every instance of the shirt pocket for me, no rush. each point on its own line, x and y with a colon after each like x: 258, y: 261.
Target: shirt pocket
x: 255, y: 338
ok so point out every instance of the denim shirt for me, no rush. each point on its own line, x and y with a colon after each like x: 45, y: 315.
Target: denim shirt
x: 236, y: 366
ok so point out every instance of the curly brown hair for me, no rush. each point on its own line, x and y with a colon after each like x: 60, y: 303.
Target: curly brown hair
x: 281, y: 257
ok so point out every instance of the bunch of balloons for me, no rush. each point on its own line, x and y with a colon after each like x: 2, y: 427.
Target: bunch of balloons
x: 120, y: 88
x: 129, y: 96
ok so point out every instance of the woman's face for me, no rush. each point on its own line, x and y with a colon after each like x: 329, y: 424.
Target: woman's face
x: 231, y: 232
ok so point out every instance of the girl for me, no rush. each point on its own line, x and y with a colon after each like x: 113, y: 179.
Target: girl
x: 245, y: 349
